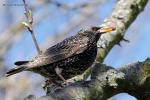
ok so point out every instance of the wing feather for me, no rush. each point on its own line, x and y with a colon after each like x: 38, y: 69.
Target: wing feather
x: 65, y: 49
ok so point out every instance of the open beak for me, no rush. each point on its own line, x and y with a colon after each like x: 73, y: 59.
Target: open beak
x: 106, y: 29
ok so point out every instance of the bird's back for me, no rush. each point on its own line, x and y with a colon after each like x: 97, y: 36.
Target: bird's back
x: 67, y: 48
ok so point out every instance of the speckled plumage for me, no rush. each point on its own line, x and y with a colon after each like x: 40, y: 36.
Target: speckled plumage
x: 73, y: 55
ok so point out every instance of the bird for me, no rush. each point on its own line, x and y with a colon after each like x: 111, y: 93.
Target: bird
x: 66, y: 59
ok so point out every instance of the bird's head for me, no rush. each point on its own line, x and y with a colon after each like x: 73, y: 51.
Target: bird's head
x: 94, y: 33
x: 98, y: 31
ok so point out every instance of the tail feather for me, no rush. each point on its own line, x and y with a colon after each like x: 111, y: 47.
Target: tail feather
x: 15, y: 70
x: 20, y: 67
x: 18, y: 63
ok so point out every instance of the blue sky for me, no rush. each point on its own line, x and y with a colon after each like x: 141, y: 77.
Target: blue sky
x: 24, y: 49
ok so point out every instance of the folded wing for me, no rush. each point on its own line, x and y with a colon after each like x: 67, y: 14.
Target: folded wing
x: 65, y: 49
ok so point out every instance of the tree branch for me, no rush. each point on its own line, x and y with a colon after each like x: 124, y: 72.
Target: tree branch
x: 106, y: 82
x: 29, y: 17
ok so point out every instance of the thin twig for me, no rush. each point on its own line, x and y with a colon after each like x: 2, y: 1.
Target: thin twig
x: 29, y: 17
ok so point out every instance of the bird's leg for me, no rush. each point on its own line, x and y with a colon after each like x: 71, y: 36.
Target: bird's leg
x: 51, y: 86
x: 58, y: 72
x: 49, y: 82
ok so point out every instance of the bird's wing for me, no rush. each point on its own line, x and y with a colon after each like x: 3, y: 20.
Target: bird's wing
x: 65, y: 49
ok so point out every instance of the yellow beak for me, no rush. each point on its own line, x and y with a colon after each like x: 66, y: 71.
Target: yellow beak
x: 106, y: 29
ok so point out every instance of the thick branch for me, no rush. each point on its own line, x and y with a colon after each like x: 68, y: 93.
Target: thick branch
x: 106, y: 82
x: 137, y: 79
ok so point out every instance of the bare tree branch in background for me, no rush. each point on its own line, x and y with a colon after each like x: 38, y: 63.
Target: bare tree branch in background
x: 29, y: 17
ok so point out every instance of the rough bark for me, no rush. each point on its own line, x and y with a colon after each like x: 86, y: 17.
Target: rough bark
x: 106, y: 82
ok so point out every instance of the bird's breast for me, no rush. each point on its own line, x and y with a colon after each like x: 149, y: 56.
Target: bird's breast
x: 79, y: 63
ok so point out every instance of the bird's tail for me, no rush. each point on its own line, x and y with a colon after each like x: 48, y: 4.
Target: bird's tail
x: 20, y: 67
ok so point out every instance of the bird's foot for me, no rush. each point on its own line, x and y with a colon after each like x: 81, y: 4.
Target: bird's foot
x: 51, y: 86
x: 64, y: 84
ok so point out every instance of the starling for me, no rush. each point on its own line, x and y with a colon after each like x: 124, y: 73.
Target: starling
x: 66, y: 59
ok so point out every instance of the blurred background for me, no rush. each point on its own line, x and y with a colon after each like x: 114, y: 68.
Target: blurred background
x: 55, y: 20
